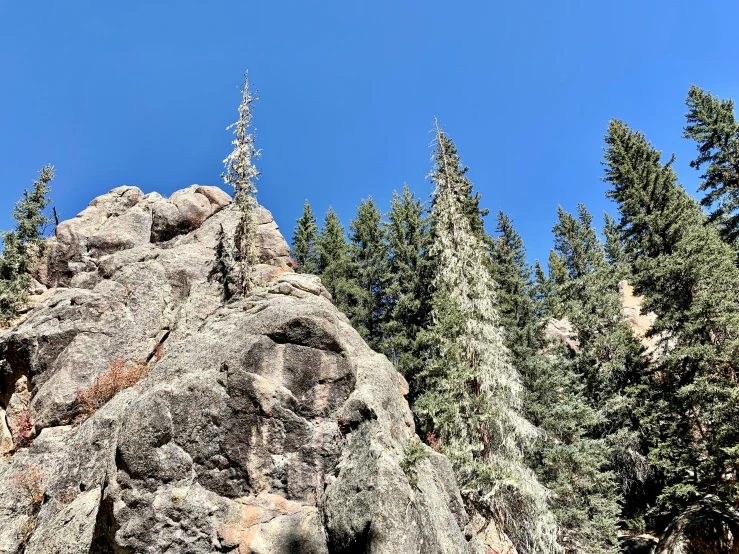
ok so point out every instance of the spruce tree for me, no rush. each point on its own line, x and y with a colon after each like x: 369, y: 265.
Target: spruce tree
x: 241, y: 173
x: 713, y: 126
x: 516, y: 305
x: 614, y: 246
x: 549, y: 287
x: 471, y: 394
x: 304, y: 241
x: 333, y: 262
x: 544, y: 293
x: 367, y: 251
x: 570, y: 462
x: 688, y: 278
x: 610, y: 359
x: 573, y: 462
x: 24, y: 245
x: 222, y: 271
x: 405, y: 291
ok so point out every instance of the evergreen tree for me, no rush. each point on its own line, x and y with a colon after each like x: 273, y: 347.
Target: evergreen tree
x: 572, y: 463
x: 688, y: 277
x: 574, y: 466
x: 471, y: 394
x: 405, y: 279
x: 614, y: 247
x: 470, y: 202
x: 610, y: 359
x: 549, y: 287
x: 367, y: 251
x: 516, y: 305
x: 544, y: 294
x: 241, y: 173
x: 713, y: 126
x: 222, y: 270
x: 24, y: 245
x: 304, y: 241
x: 333, y: 262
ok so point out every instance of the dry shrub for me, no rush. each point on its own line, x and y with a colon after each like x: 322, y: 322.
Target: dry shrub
x: 23, y: 429
x: 119, y: 376
x: 434, y: 442
x: 195, y: 222
x: 31, y: 484
x: 158, y: 353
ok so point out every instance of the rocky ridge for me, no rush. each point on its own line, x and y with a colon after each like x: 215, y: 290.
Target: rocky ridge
x: 264, y: 425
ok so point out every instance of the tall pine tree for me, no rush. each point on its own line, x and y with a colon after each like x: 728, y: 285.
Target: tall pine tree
x: 713, y: 126
x: 22, y: 246
x: 405, y: 284
x: 610, y: 358
x: 367, y: 251
x: 572, y: 464
x: 471, y: 397
x: 304, y: 241
x: 241, y: 173
x: 333, y: 262
x: 688, y: 277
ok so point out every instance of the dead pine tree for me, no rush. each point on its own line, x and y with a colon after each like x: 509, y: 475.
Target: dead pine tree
x: 241, y: 173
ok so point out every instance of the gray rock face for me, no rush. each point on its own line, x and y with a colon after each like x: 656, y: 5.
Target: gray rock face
x: 708, y: 527
x: 264, y: 425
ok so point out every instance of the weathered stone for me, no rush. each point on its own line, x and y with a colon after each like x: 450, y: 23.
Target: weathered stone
x: 708, y: 527
x: 6, y: 438
x: 642, y: 544
x: 561, y: 330
x: 264, y: 425
x: 71, y: 530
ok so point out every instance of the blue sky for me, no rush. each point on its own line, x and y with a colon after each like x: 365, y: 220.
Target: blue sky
x: 140, y: 93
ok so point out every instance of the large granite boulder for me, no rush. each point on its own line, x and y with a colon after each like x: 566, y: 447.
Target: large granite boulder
x: 708, y: 527
x: 264, y: 425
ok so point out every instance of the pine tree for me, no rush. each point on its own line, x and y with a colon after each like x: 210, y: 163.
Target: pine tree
x: 713, y: 126
x: 516, y: 305
x: 572, y: 464
x: 241, y: 173
x: 688, y: 277
x: 333, y: 262
x: 544, y: 293
x: 610, y: 359
x: 549, y: 287
x: 304, y: 241
x: 222, y: 270
x: 405, y: 291
x: 367, y: 252
x: 614, y: 247
x: 471, y: 394
x: 24, y: 245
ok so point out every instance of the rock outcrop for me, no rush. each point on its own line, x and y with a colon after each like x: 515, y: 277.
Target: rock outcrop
x: 264, y: 425
x: 708, y: 527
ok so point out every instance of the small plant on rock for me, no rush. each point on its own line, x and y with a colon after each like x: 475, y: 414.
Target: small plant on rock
x: 119, y: 376
x: 434, y: 442
x: 413, y: 454
x: 31, y: 483
x: 195, y: 222
x: 23, y: 429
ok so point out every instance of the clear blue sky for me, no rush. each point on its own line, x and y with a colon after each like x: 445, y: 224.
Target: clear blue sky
x: 140, y: 93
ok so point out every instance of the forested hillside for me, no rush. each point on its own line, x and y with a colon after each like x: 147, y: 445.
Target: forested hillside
x: 566, y: 448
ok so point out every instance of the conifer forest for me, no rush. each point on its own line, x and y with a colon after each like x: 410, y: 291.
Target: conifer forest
x: 567, y: 443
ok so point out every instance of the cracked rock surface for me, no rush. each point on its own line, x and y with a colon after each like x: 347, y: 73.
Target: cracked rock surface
x: 264, y: 425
